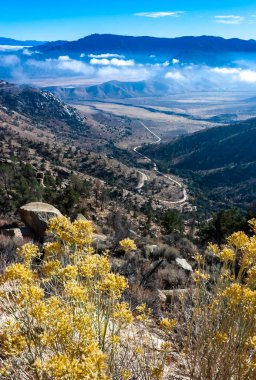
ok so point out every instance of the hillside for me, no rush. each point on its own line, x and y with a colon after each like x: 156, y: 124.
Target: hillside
x: 42, y: 106
x: 221, y: 162
x: 51, y: 152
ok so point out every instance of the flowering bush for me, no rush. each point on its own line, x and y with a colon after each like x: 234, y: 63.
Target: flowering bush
x: 127, y: 245
x: 63, y: 314
x: 218, y: 330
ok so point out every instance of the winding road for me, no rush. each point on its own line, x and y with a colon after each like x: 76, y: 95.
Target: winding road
x: 143, y: 177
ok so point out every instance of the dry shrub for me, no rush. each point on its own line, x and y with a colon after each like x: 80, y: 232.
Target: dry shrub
x: 218, y: 327
x: 137, y: 294
x: 171, y: 277
x: 163, y: 251
x: 8, y: 247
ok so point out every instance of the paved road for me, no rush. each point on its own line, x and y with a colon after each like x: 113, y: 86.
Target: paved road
x: 143, y: 177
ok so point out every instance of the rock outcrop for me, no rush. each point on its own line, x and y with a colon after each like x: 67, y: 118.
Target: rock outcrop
x: 36, y: 215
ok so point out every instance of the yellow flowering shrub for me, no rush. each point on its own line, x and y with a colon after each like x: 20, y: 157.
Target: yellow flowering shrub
x: 127, y: 245
x: 64, y: 317
x: 221, y: 321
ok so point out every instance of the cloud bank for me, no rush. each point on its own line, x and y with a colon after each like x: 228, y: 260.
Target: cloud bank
x: 240, y: 75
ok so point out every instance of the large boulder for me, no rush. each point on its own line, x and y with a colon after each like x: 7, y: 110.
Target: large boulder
x: 36, y: 215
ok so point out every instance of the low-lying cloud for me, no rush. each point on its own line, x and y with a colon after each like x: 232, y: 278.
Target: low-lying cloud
x: 21, y: 68
x: 10, y: 48
x: 237, y: 74
x: 112, y: 62
x: 105, y: 55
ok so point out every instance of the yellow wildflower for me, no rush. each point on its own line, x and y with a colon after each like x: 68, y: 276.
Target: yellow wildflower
x: 157, y: 372
x: 50, y: 268
x: 28, y: 252
x: 18, y: 272
x: 127, y: 245
x: 168, y: 324
x: 221, y: 337
x: 227, y: 254
x: 126, y: 375
x: 238, y: 239
x: 113, y: 284
x: 199, y: 276
x: 252, y: 224
x: 68, y: 273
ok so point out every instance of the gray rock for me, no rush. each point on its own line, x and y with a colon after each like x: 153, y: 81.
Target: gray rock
x: 183, y: 264
x: 161, y: 296
x: 151, y: 248
x: 14, y: 233
x: 36, y: 215
x: 81, y: 217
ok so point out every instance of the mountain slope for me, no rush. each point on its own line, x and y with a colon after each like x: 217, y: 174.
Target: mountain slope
x: 42, y: 106
x: 220, y: 161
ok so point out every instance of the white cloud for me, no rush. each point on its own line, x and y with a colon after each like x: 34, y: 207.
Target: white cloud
x: 225, y: 70
x: 112, y: 62
x: 175, y: 61
x: 27, y: 52
x: 9, y: 60
x: 248, y: 76
x: 103, y: 62
x: 166, y: 64
x: 237, y: 74
x: 106, y: 55
x: 11, y: 48
x: 176, y: 75
x: 64, y: 58
x: 63, y: 63
x: 127, y: 74
x: 229, y: 19
x: 159, y: 14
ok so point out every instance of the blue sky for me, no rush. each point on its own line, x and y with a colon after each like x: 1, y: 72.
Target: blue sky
x: 65, y: 19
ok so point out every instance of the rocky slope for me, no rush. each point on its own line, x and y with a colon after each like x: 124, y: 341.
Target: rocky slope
x: 41, y: 106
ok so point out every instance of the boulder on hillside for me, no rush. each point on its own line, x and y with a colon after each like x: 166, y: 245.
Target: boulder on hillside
x: 36, y: 215
x: 183, y: 264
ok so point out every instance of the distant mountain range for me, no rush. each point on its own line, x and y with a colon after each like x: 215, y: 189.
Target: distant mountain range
x: 111, y: 90
x: 207, y: 49
x: 13, y: 42
x: 221, y: 162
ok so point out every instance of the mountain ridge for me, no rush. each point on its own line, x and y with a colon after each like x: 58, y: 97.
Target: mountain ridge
x: 14, y: 42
